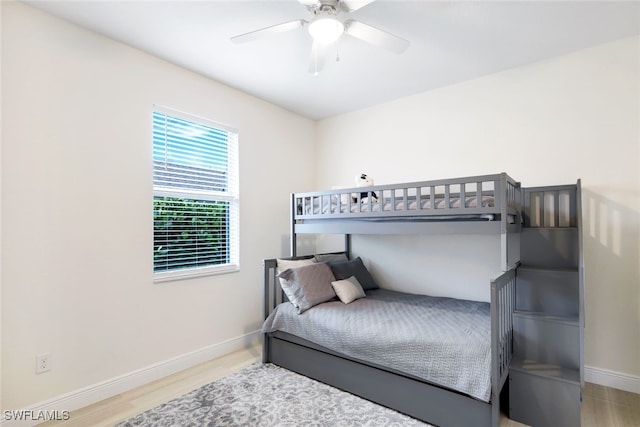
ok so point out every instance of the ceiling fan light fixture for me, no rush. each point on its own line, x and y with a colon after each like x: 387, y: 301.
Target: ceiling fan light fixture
x: 326, y: 30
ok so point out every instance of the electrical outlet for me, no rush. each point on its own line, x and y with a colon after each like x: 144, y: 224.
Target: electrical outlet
x: 43, y: 363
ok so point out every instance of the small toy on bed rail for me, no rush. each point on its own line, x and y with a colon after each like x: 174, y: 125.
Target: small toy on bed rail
x: 363, y: 180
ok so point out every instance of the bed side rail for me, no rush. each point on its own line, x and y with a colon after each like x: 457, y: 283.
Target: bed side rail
x: 502, y: 307
x: 468, y: 195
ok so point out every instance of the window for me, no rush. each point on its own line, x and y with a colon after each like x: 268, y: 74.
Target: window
x: 195, y: 196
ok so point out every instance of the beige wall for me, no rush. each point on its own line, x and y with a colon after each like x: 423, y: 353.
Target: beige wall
x: 77, y: 220
x: 552, y: 122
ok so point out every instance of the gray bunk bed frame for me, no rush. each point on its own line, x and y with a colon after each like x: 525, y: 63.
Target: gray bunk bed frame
x: 397, y: 390
x: 360, y: 216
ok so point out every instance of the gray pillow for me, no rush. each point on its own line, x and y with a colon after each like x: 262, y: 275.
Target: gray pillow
x: 285, y: 264
x: 348, y: 290
x: 331, y: 257
x: 344, y: 270
x: 308, y: 285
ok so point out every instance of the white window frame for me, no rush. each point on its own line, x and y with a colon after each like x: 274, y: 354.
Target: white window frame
x: 231, y: 196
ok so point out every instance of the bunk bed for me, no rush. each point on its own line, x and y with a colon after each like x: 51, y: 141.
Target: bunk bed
x: 486, y: 204
x: 489, y: 204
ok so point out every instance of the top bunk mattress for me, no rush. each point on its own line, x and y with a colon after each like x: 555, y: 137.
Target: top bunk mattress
x: 445, y: 341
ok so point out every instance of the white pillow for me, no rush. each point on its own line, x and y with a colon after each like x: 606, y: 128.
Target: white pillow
x: 348, y: 290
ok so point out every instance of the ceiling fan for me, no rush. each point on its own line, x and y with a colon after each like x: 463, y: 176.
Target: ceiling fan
x: 326, y: 28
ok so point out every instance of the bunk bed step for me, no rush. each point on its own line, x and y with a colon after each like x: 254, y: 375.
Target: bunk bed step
x: 545, y: 370
x: 546, y: 339
x: 544, y: 395
x: 545, y: 375
x: 549, y: 247
x: 552, y: 291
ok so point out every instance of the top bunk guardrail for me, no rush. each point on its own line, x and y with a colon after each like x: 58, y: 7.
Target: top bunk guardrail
x: 488, y: 197
x: 552, y: 206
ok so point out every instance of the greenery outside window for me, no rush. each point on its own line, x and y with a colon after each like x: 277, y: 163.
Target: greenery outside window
x: 195, y: 196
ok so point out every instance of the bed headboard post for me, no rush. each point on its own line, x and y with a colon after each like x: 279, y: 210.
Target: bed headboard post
x: 500, y: 192
x: 269, y: 267
x: 292, y: 231
x: 347, y: 244
x: 581, y: 314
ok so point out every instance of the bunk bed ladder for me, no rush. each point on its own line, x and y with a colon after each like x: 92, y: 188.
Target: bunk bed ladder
x: 546, y: 374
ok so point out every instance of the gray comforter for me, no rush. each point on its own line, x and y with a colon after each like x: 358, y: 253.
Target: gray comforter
x: 445, y: 341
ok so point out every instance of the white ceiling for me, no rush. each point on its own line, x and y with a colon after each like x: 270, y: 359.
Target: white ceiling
x: 451, y: 41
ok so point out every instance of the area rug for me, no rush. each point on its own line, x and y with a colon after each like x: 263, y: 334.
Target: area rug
x: 268, y: 395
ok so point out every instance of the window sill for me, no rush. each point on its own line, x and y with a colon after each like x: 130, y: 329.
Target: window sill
x: 192, y: 273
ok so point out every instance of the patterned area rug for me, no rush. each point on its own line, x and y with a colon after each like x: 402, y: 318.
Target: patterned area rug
x: 267, y: 395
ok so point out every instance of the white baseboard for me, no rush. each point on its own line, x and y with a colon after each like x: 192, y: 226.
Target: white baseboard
x: 612, y: 379
x: 109, y: 388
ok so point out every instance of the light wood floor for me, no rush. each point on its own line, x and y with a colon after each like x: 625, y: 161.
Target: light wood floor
x: 602, y: 406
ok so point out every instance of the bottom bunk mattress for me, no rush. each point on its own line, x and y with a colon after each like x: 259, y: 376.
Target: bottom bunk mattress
x: 444, y: 341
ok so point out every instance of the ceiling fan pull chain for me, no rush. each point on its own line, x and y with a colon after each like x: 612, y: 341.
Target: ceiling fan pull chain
x: 315, y: 62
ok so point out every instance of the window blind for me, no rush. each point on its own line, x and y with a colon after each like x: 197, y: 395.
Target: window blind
x: 195, y: 206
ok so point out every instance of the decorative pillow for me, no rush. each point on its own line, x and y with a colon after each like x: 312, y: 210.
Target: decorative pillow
x: 285, y: 264
x: 331, y: 257
x: 308, y: 285
x: 348, y: 290
x: 344, y: 270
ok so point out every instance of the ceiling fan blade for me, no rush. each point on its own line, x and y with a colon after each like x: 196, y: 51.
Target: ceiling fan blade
x: 318, y: 54
x: 351, y: 5
x: 375, y: 36
x: 274, y: 29
x: 309, y: 3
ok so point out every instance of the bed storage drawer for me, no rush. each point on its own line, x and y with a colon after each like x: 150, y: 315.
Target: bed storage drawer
x: 410, y: 396
x: 544, y: 396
